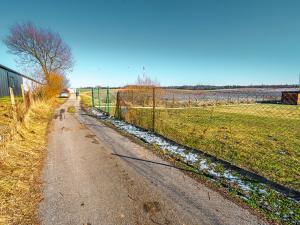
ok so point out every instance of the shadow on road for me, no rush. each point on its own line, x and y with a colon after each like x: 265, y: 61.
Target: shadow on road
x: 153, y: 162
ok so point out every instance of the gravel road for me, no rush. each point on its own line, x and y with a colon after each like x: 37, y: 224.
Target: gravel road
x: 86, y: 183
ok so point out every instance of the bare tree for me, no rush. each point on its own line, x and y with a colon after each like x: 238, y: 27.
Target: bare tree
x: 39, y: 47
x: 146, y: 81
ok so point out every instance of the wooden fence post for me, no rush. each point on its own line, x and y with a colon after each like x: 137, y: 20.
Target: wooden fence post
x: 31, y: 99
x: 12, y: 96
x: 23, y: 93
x: 13, y: 103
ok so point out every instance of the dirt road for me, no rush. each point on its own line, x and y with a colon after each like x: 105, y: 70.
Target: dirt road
x: 86, y: 183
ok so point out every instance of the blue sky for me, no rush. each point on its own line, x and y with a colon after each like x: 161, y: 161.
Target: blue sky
x: 178, y: 42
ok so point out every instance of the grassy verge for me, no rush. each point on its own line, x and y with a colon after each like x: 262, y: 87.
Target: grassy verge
x: 21, y: 159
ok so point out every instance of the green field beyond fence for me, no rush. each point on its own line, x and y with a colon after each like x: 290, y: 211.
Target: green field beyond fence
x: 260, y: 136
x: 103, y: 98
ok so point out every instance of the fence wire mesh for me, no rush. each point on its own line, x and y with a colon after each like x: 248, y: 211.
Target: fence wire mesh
x: 254, y: 128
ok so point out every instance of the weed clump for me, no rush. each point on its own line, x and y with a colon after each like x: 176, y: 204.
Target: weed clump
x: 71, y: 109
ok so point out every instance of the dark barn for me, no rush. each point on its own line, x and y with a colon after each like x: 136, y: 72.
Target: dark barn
x: 290, y: 97
x: 10, y: 78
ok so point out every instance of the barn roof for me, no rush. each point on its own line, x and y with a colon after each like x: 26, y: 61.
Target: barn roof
x: 19, y: 74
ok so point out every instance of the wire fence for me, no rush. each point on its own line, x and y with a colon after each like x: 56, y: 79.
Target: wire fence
x: 103, y: 99
x: 254, y: 128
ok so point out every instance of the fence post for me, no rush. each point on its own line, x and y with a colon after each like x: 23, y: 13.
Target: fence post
x: 99, y: 98
x: 23, y: 93
x: 93, y: 103
x: 107, y: 100
x: 12, y: 96
x: 118, y: 107
x: 31, y: 99
x: 153, y: 110
x: 173, y: 100
x: 13, y: 103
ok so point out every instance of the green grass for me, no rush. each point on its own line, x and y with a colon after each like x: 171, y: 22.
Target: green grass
x: 262, y: 138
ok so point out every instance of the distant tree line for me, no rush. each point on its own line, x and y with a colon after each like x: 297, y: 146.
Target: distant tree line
x: 214, y: 87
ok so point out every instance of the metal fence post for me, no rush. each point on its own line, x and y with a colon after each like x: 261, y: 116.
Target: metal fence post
x: 93, y: 103
x: 173, y: 101
x: 99, y: 98
x: 118, y: 107
x: 153, y: 110
x: 107, y: 100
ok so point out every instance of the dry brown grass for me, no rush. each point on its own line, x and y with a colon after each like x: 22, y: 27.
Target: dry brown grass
x: 21, y: 159
x: 8, y: 124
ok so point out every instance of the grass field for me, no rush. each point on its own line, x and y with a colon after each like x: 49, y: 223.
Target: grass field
x: 263, y: 138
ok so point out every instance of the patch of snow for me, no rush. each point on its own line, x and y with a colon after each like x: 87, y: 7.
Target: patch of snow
x: 203, y: 165
x: 213, y: 173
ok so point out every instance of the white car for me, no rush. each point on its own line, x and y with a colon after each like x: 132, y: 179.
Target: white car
x: 64, y: 95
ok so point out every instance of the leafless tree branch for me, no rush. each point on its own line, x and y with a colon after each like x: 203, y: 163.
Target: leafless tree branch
x: 39, y: 46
